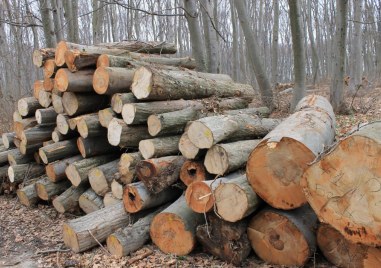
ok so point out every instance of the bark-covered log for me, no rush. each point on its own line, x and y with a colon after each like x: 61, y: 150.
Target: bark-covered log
x: 28, y: 106
x: 58, y: 136
x: 69, y: 200
x: 89, y: 201
x: 19, y: 173
x: 50, y: 68
x: 109, y: 200
x: 88, y: 126
x: 119, y: 99
x: 101, y: 177
x: 20, y: 126
x: 342, y: 253
x: 77, y: 60
x: 119, y: 134
x: 46, y: 116
x: 174, y: 229
x: 45, y: 98
x: 40, y: 56
x: 38, y: 85
x: 62, y: 124
x: 136, y: 197
x: 283, y: 237
x: 127, y: 165
x: 157, y: 174
x: 56, y: 170
x: 77, y: 172
x: 28, y: 195
x: 293, y: 145
x: 4, y: 156
x: 343, y: 186
x: 187, y: 148
x: 37, y: 134
x: 29, y: 149
x: 111, y: 80
x: 105, y: 117
x: 227, y: 241
x: 149, y: 47
x: 15, y: 157
x: 57, y: 101
x: 46, y: 143
x: 7, y: 139
x: 95, y: 146
x: 58, y: 150
x: 158, y: 147
x: 224, y: 158
x: 47, y: 189
x: 77, y: 104
x: 81, y: 81
x: 192, y: 171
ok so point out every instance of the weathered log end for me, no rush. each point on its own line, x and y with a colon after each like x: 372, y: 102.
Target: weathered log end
x: 61, y: 48
x: 199, y: 197
x: 101, y: 80
x: 192, y: 171
x: 142, y: 83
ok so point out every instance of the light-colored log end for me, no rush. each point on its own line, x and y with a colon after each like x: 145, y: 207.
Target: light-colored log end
x: 142, y: 83
x: 101, y: 80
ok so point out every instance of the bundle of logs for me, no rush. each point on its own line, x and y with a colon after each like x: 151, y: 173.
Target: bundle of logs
x: 150, y: 149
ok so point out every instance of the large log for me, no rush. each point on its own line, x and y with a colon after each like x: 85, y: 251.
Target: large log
x: 95, y: 146
x: 225, y: 240
x: 58, y: 150
x: 149, y: 47
x: 343, y: 253
x: 158, y: 147
x: 157, y: 174
x: 88, y: 126
x: 77, y: 104
x: 28, y: 106
x: 56, y: 170
x: 20, y: 126
x: 57, y: 101
x: 50, y: 68
x: 224, y: 158
x: 40, y: 56
x: 46, y: 116
x: 192, y: 171
x: 15, y: 157
x: 283, y: 237
x: 37, y: 134
x: 108, y: 80
x: 119, y: 134
x: 105, y: 116
x: 28, y: 195
x: 89, y: 201
x: 343, y: 185
x: 292, y: 145
x: 47, y: 189
x: 38, y: 85
x: 127, y: 165
x: 119, y: 99
x: 81, y: 81
x: 69, y: 200
x: 19, y: 173
x: 77, y: 172
x: 173, y: 230
x: 7, y: 139
x: 100, y: 177
x: 136, y: 197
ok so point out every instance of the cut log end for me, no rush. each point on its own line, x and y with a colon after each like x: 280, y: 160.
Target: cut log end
x: 22, y: 106
x: 192, y: 171
x: 24, y: 199
x: 200, y: 135
x: 132, y: 200
x: 38, y: 116
x: 49, y: 170
x: 199, y: 197
x: 147, y: 149
x: 43, y: 156
x: 70, y: 238
x: 114, y: 133
x: 114, y: 246
x: 58, y: 206
x: 146, y: 170
x: 73, y: 175
x: 49, y: 68
x: 98, y: 181
x: 61, y: 48
x: 82, y: 128
x: 37, y: 58
x: 62, y: 124
x: 70, y: 58
x: 41, y: 191
x: 70, y: 102
x: 103, y: 61
x: 142, y: 83
x: 61, y: 80
x: 11, y: 174
x: 101, y: 80
x: 128, y: 113
x: 217, y: 160
x: 154, y: 125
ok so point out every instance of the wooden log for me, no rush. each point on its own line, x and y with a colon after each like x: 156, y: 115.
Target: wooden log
x: 57, y: 101
x: 235, y: 199
x: 77, y: 60
x: 117, y: 188
x: 28, y: 195
x: 77, y: 104
x: 24, y: 124
x: 62, y: 124
x: 58, y: 150
x: 37, y: 158
x: 127, y: 165
x: 200, y: 194
x: 342, y: 186
x: 119, y: 99
x: 136, y: 197
x: 81, y: 81
x: 119, y: 134
x: 109, y: 200
x: 111, y: 80
x: 88, y: 126
x: 154, y: 148
x: 47, y: 189
x: 38, y: 85
x: 17, y: 142
x: 37, y: 134
x: 293, y: 145
x: 45, y: 98
x: 218, y: 237
x: 48, y: 84
x: 56, y: 170
x: 58, y: 136
x: 157, y: 84
x: 69, y: 200
x: 29, y: 149
x: 343, y: 253
x: 28, y: 106
x: 7, y: 139
x: 46, y: 116
x: 77, y: 172
x: 100, y: 177
x: 46, y: 143
x: 173, y: 230
x: 19, y: 173
x: 4, y: 156
x: 40, y: 56
x: 224, y: 158
x: 17, y: 158
x: 187, y: 148
x: 192, y: 171
x: 149, y: 47
x: 283, y: 237
x: 95, y: 146
x: 89, y: 201
x: 50, y: 68
x: 16, y: 116
x: 105, y: 116
x: 157, y: 174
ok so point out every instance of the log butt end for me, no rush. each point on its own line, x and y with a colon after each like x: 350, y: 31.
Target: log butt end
x: 58, y: 206
x: 70, y: 103
x: 24, y: 199
x: 73, y: 175
x: 37, y: 58
x: 128, y: 113
x: 142, y: 83
x: 192, y: 171
x: 43, y: 156
x: 200, y: 135
x: 114, y: 132
x: 82, y: 128
x: 22, y: 106
x: 199, y: 197
x: 147, y: 149
x: 61, y: 80
x: 49, y: 170
x: 154, y: 125
x: 70, y: 238
x: 132, y: 200
x: 62, y: 125
x: 98, y: 181
x: 103, y: 61
x: 114, y: 246
x: 216, y: 160
x: 101, y: 80
x: 11, y: 174
x: 41, y: 192
x: 61, y: 48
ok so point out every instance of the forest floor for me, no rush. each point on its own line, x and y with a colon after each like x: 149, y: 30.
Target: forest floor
x: 31, y: 237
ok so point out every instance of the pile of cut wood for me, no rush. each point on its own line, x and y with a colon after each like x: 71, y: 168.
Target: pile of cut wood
x: 149, y: 148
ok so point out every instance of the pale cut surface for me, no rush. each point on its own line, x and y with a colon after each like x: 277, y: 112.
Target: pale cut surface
x: 143, y: 81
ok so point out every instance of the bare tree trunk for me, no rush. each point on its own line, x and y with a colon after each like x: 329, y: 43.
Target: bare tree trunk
x: 97, y: 21
x: 57, y: 14
x: 314, y: 54
x: 356, y: 59
x: 235, y: 67
x: 47, y: 24
x: 275, y: 47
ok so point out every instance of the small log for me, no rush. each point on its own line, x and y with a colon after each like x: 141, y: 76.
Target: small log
x: 105, y: 117
x: 174, y: 229
x: 58, y: 150
x: 17, y: 158
x: 235, y: 199
x: 40, y: 56
x: 16, y: 116
x: 77, y: 104
x: 100, y: 177
x: 157, y: 174
x: 58, y: 136
x: 200, y: 194
x: 109, y: 200
x: 37, y: 134
x: 38, y: 85
x: 72, y: 122
x: 89, y: 201
x: 47, y: 189
x: 81, y: 82
x: 77, y: 172
x: 225, y: 240
x: 7, y: 139
x: 29, y: 149
x: 224, y: 158
x: 62, y: 124
x: 46, y: 116
x: 343, y: 253
x: 117, y: 189
x: 111, y: 80
x: 119, y: 99
x: 19, y: 173
x: 95, y: 146
x: 57, y: 101
x: 127, y: 165
x: 283, y: 237
x: 48, y: 84
x: 69, y: 200
x: 88, y: 126
x: 56, y: 170
x: 20, y: 126
x: 119, y: 134
x: 292, y: 145
x: 77, y: 60
x: 28, y: 106
x: 45, y: 98
x: 154, y: 148
x: 136, y: 197
x: 50, y: 68
x: 187, y: 148
x: 192, y: 171
x: 4, y: 156
x: 28, y: 195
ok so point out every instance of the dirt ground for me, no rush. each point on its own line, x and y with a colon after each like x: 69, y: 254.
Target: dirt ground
x: 31, y: 237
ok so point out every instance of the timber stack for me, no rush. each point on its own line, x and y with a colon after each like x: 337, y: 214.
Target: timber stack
x: 150, y: 149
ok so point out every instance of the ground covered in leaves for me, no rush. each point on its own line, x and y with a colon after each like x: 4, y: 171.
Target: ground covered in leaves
x: 31, y: 237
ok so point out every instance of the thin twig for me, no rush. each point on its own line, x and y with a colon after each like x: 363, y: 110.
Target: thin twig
x: 96, y: 240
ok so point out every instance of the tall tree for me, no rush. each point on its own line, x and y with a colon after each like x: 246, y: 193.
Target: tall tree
x: 311, y: 37
x: 235, y: 67
x: 356, y: 59
x: 57, y: 15
x: 47, y: 23
x: 275, y: 44
x: 97, y: 21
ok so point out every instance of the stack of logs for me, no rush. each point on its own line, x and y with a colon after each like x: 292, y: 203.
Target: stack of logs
x: 149, y: 148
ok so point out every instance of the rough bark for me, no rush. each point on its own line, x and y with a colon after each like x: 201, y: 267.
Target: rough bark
x: 111, y: 80
x: 150, y: 47
x: 46, y: 116
x: 19, y: 173
x: 77, y: 104
x: 28, y: 106
x: 95, y: 146
x: 17, y: 158
x: 119, y: 134
x: 89, y: 201
x: 88, y: 126
x: 56, y: 170
x: 37, y: 134
x: 81, y: 81
x: 101, y: 177
x: 119, y: 99
x: 47, y: 189
x: 154, y: 148
x: 68, y: 201
x: 58, y: 151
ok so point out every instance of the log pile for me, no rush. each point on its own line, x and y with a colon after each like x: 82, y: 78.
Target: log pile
x: 150, y: 149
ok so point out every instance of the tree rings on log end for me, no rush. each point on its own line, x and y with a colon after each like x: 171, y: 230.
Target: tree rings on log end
x: 200, y: 135
x: 101, y: 80
x: 199, y: 197
x: 114, y: 246
x: 73, y: 175
x: 70, y: 238
x: 142, y: 83
x: 62, y: 80
x: 61, y: 48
